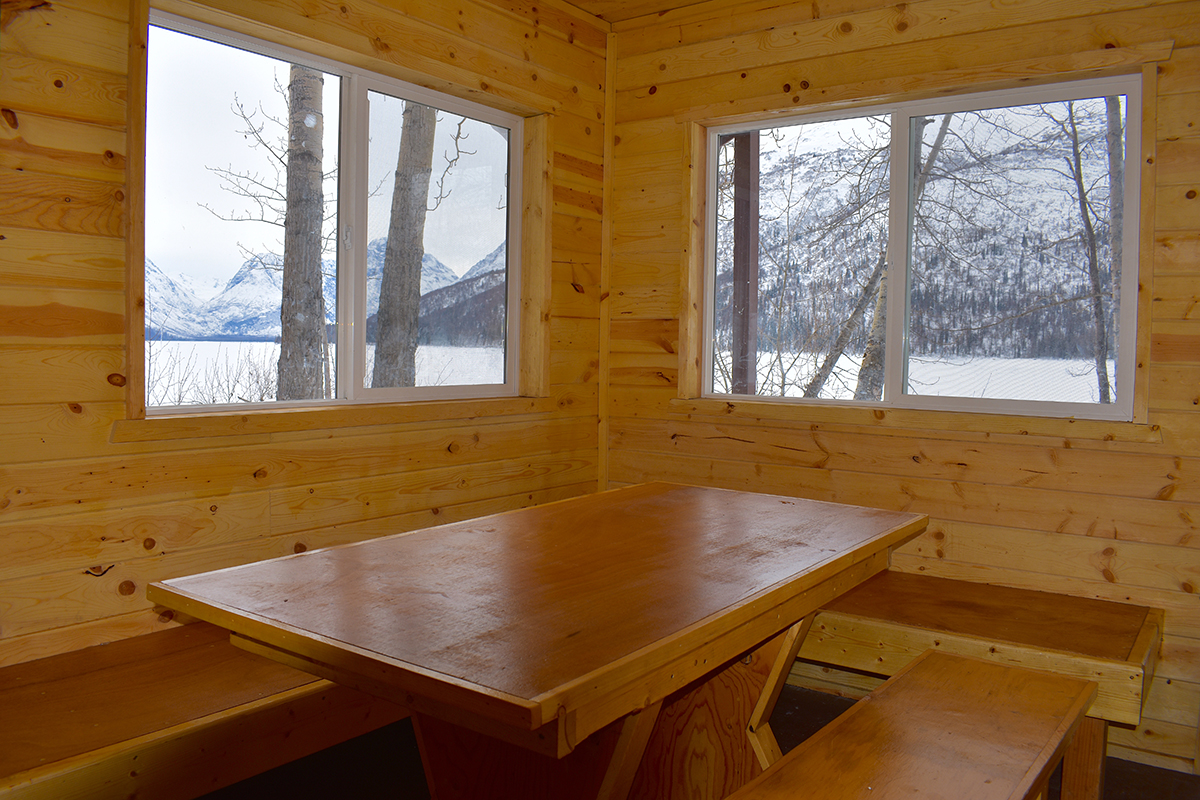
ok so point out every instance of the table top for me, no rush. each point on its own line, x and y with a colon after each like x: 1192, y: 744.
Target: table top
x: 533, y: 611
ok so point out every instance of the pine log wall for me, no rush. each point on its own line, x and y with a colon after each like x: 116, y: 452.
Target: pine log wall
x: 1093, y: 509
x: 92, y: 506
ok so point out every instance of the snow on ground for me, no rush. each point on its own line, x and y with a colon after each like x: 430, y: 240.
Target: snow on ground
x: 204, y: 372
x: 1041, y: 379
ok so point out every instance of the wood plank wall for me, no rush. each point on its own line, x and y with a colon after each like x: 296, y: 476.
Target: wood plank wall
x: 87, y: 517
x: 1098, y: 510
x: 86, y: 520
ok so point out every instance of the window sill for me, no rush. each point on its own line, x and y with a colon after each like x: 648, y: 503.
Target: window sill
x: 901, y: 421
x: 263, y: 421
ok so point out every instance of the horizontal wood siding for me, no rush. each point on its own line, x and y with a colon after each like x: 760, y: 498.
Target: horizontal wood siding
x: 1105, y: 510
x: 94, y: 505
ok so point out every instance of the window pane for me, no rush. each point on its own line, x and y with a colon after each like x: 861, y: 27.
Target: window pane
x: 803, y: 314
x: 437, y: 253
x: 240, y: 258
x: 1015, y: 252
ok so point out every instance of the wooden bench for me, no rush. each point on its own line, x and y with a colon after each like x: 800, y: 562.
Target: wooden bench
x: 884, y: 623
x: 173, y: 714
x: 945, y: 726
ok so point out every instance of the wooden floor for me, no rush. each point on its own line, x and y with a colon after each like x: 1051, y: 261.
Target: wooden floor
x: 385, y: 764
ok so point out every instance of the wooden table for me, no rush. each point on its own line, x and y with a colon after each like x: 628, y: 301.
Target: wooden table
x: 629, y: 643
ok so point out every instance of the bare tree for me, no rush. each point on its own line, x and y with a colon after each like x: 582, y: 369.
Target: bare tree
x: 870, y: 372
x: 400, y: 293
x: 302, y: 357
x: 1094, y: 185
x: 1091, y: 244
x: 290, y: 195
x: 822, y: 214
x: 170, y: 374
x: 1115, y: 145
x: 997, y: 267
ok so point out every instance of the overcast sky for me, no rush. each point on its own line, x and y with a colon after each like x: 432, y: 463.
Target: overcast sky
x: 192, y: 128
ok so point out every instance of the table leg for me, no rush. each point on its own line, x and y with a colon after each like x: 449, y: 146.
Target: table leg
x: 702, y: 747
x: 762, y: 738
x: 461, y: 764
x: 627, y: 755
x: 1083, y: 763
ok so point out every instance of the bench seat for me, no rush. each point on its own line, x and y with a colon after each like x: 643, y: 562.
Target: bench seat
x: 945, y: 726
x: 176, y: 714
x: 885, y: 622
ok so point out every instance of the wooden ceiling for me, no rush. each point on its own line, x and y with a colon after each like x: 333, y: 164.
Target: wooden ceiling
x: 618, y: 10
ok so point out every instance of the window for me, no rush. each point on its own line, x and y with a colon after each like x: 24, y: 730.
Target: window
x: 317, y: 233
x: 977, y: 252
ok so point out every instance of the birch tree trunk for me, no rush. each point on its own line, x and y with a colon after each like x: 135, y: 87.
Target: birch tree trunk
x: 400, y: 293
x: 1115, y: 139
x: 870, y: 372
x: 1092, y: 247
x: 303, y: 338
x: 869, y: 293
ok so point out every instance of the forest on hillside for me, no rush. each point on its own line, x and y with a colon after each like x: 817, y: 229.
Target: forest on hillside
x: 1013, y: 246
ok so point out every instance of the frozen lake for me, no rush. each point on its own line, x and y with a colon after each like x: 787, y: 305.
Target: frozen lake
x: 1043, y: 379
x: 205, y: 372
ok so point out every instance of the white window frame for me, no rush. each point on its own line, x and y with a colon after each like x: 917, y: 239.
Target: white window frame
x: 352, y: 236
x: 896, y: 350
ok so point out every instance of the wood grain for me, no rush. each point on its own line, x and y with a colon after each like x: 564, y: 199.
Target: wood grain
x: 98, y: 36
x: 48, y: 372
x: 744, y: 444
x: 407, y: 47
x: 1051, y: 533
x: 944, y: 727
x: 1047, y: 620
x: 69, y: 205
x: 168, y: 714
x: 135, y: 678
x: 56, y: 89
x: 700, y: 747
x: 1146, y: 520
x: 592, y: 581
x: 882, y: 624
x: 71, y: 127
x: 65, y: 317
x: 1089, y: 747
x: 31, y: 257
x: 912, y: 24
x: 36, y: 143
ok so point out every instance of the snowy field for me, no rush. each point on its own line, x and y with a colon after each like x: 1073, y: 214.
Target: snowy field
x: 1044, y: 379
x: 203, y: 372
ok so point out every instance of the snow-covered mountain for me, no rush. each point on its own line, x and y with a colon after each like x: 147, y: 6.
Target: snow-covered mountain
x: 434, y: 274
x: 495, y: 260
x: 248, y: 306
x: 204, y: 288
x: 998, y: 256
x: 469, y: 313
x: 171, y: 308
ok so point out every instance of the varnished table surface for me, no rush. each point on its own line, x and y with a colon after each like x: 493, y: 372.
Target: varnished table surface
x: 562, y: 617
